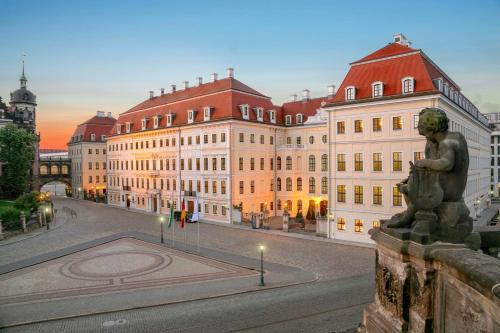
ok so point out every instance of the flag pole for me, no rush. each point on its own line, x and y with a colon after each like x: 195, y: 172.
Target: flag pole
x: 173, y: 220
x: 198, y: 231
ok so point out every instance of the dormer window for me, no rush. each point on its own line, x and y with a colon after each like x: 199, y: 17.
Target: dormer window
x: 377, y: 89
x: 127, y: 127
x: 350, y: 93
x: 103, y: 137
x: 207, y: 111
x: 156, y: 121
x: 407, y: 85
x: 191, y: 116
x: 259, y: 113
x: 244, y: 111
x: 272, y: 116
x: 299, y: 118
x: 118, y: 128
x: 170, y: 119
x: 446, y: 88
x: 288, y: 120
x: 92, y: 137
x: 143, y: 123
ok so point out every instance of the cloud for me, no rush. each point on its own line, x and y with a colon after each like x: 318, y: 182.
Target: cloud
x: 490, y: 107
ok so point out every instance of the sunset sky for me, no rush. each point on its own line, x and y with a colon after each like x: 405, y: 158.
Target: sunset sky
x: 83, y: 56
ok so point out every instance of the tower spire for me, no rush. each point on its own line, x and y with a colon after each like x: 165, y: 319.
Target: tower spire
x: 23, y: 77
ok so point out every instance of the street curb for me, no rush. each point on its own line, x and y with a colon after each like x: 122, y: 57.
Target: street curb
x: 57, y: 226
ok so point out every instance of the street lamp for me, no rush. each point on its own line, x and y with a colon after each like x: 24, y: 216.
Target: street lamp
x: 46, y: 220
x: 161, y: 224
x: 97, y: 194
x: 79, y: 193
x: 261, y: 249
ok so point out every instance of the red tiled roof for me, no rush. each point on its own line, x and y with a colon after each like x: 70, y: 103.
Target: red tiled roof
x: 390, y: 50
x: 224, y: 97
x: 95, y: 125
x: 390, y: 70
x: 305, y: 107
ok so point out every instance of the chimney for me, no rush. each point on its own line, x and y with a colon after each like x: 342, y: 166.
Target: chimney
x: 151, y: 94
x: 331, y: 91
x: 293, y: 97
x: 200, y: 80
x: 100, y: 113
x: 213, y: 77
x: 305, y: 95
x: 401, y: 39
x: 230, y: 72
x: 186, y: 84
x: 172, y: 88
x: 109, y: 115
x: 162, y: 91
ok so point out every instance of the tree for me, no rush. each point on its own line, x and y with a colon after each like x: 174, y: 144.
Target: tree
x: 3, y: 106
x: 17, y: 153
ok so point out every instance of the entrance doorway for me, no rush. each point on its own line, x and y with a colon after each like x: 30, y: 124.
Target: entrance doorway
x: 190, y: 206
x: 155, y: 204
x: 128, y: 200
x: 323, y: 206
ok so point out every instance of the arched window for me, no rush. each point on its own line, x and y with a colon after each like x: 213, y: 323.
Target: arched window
x: 54, y: 170
x: 278, y: 184
x: 324, y: 138
x: 324, y: 162
x: 272, y: 185
x: 299, y: 184
x: 278, y: 163
x: 324, y: 185
x: 311, y: 139
x: 312, y: 185
x: 289, y: 184
x: 289, y: 163
x: 44, y: 170
x: 407, y: 84
x: 289, y: 205
x: 278, y: 204
x: 312, y: 163
x: 64, y: 170
x: 350, y: 93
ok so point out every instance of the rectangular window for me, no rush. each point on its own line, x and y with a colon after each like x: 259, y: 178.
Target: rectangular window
x: 377, y: 195
x: 397, y: 123
x: 223, y: 187
x: 223, y: 163
x: 223, y: 137
x: 214, y: 187
x: 205, y: 139
x: 340, y: 127
x: 241, y: 164
x: 214, y: 163
x: 206, y: 186
x: 397, y: 161
x: 262, y: 139
x: 261, y: 163
x: 358, y: 162
x: 340, y: 193
x: 340, y: 162
x: 214, y: 138
x: 205, y: 163
x: 377, y: 124
x: 358, y: 194
x: 341, y: 223
x: 252, y: 163
x: 415, y: 120
x: 242, y: 137
x: 252, y: 138
x: 242, y: 187
x: 358, y: 126
x: 397, y: 198
x: 377, y: 161
x: 358, y: 225
x: 252, y: 186
x: 418, y: 155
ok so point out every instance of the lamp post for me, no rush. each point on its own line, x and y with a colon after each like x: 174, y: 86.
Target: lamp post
x: 262, y: 248
x: 79, y: 193
x: 97, y: 194
x: 476, y: 206
x: 46, y: 220
x: 161, y: 228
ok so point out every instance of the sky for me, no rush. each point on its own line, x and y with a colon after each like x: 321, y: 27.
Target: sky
x: 84, y: 56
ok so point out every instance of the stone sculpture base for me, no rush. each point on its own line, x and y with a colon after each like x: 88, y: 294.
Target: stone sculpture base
x: 405, y: 283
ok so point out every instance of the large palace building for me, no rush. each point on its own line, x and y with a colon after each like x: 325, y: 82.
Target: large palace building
x: 373, y: 135
x: 339, y: 156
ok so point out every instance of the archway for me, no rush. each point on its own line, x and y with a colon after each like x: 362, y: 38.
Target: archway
x: 56, y: 188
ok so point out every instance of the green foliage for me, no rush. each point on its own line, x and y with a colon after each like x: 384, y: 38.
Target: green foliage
x: 28, y: 201
x: 299, y: 218
x: 16, y: 153
x: 10, y: 218
x: 3, y: 106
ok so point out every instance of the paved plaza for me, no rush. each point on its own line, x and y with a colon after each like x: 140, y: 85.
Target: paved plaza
x: 108, y: 259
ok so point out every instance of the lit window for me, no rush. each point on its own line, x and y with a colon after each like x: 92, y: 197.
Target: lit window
x: 376, y: 224
x: 377, y: 124
x: 312, y: 185
x: 289, y: 184
x: 324, y: 185
x: 341, y: 223
x: 341, y: 193
x: 358, y: 194
x: 377, y: 195
x: 418, y: 155
x: 358, y: 225
x: 350, y: 93
x: 340, y: 162
x: 358, y: 126
x: 358, y: 162
x: 397, y: 123
x: 407, y: 85
x: 397, y: 198
x: 299, y: 184
x: 340, y: 127
x: 377, y: 161
x: 397, y: 161
x: 324, y: 162
x: 377, y: 89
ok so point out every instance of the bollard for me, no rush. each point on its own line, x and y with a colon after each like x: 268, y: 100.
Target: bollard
x: 23, y: 221
x: 1, y: 229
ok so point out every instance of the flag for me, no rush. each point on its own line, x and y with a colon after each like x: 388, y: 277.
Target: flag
x: 171, y: 216
x: 194, y: 218
x: 183, y: 214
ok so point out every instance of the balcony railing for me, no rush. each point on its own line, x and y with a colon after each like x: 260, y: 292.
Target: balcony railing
x: 190, y: 193
x: 291, y: 146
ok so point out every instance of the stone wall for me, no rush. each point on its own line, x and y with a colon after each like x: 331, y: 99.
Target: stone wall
x: 433, y: 288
